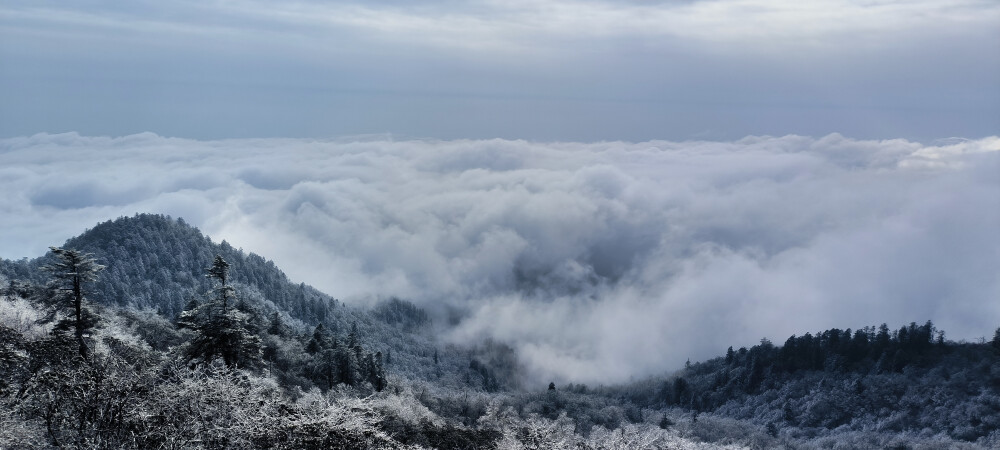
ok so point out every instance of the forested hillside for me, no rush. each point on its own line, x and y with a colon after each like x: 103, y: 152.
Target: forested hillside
x: 156, y: 262
x: 79, y: 373
x: 910, y: 380
x: 143, y: 333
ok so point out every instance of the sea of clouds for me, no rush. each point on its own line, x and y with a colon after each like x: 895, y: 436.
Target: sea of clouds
x: 597, y: 262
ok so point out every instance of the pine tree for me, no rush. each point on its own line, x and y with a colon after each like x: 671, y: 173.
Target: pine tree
x: 220, y: 272
x: 681, y: 390
x: 324, y: 369
x: 882, y: 339
x: 221, y: 331
x: 347, y: 365
x: 754, y: 374
x: 276, y: 326
x: 379, y: 380
x: 352, y: 337
x: 318, y: 342
x: 66, y: 294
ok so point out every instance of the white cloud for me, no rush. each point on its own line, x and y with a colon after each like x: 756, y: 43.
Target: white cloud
x: 596, y: 261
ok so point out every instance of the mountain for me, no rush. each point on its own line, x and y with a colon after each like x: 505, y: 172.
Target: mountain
x: 329, y: 374
x: 157, y: 263
x: 908, y: 380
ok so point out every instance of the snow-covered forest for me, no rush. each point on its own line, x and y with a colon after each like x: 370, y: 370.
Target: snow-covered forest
x: 143, y: 333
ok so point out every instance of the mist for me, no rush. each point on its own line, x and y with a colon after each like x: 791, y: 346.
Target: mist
x: 598, y: 262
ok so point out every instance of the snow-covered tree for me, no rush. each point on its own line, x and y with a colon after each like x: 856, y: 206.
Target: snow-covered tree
x: 221, y: 331
x: 66, y: 296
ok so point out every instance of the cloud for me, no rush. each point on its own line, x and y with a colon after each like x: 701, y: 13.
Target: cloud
x: 596, y: 261
x: 588, y: 257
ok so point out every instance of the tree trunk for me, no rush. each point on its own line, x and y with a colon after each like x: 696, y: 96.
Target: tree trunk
x: 78, y: 309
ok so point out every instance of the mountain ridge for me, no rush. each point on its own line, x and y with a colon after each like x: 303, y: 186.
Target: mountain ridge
x: 157, y: 263
x: 872, y: 385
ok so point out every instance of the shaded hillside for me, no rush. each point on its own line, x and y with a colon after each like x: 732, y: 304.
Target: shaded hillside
x: 303, y: 355
x: 873, y: 379
x: 157, y: 263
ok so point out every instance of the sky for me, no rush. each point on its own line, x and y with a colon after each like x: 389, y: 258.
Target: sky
x: 598, y: 262
x: 561, y: 70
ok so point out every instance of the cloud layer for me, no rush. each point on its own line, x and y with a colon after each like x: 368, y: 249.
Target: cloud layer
x: 597, y: 261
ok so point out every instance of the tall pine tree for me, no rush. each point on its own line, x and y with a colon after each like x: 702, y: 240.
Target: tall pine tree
x: 221, y: 330
x: 65, y: 296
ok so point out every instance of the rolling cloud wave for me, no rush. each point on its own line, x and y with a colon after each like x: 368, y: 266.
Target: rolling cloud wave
x: 596, y: 261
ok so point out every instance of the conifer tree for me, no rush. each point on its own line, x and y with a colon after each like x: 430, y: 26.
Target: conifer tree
x: 221, y: 331
x: 66, y: 293
x: 352, y: 337
x: 276, y: 325
x: 220, y: 272
x: 324, y: 369
x: 379, y: 380
x: 347, y: 365
x: 318, y: 342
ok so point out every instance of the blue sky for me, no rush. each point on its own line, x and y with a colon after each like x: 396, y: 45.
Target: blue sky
x: 549, y: 70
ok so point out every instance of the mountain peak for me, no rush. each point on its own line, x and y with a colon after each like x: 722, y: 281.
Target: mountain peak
x: 158, y: 262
